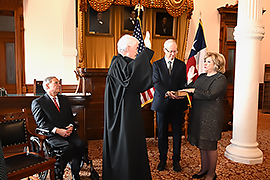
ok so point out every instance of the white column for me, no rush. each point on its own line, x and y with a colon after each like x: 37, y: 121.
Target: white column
x: 248, y: 34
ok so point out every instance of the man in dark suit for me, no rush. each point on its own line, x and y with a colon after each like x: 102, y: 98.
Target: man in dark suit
x: 99, y: 25
x: 52, y: 112
x: 169, y: 75
x: 163, y: 28
x: 130, y: 23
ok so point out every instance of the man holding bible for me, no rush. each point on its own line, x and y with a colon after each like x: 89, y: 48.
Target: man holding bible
x: 169, y: 75
x: 124, y: 147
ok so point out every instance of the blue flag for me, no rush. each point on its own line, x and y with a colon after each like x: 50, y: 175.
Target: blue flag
x: 137, y: 33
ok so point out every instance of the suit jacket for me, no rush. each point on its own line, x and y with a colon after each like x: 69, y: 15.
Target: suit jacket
x: 168, y: 30
x: 164, y: 82
x: 128, y: 25
x: 47, y: 116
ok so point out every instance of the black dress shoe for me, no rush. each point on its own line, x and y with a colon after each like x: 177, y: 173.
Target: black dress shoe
x: 176, y: 167
x: 76, y: 177
x: 161, y: 165
x: 197, y: 176
x: 58, y: 175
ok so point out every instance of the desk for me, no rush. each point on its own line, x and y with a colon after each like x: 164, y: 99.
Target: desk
x: 79, y: 104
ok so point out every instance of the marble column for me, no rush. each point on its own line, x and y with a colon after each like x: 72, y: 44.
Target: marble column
x: 248, y: 35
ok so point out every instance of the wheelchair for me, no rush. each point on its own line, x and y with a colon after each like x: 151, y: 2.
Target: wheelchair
x: 57, y: 154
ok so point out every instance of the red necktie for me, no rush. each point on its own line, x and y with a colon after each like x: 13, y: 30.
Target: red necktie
x: 56, y: 104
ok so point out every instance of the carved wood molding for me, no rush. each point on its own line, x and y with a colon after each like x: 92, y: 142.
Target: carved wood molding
x: 100, y: 5
x: 174, y: 7
x: 149, y: 3
x: 82, y: 7
x: 177, y: 7
x: 12, y: 2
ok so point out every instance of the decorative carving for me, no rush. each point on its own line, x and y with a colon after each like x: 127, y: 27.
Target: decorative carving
x: 174, y: 7
x: 100, y: 5
x: 249, y: 32
x: 230, y: 16
x: 150, y: 3
x: 82, y: 8
x: 122, y: 2
x: 82, y: 5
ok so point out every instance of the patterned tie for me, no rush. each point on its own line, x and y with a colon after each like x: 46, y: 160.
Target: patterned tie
x: 170, y: 67
x: 56, y: 104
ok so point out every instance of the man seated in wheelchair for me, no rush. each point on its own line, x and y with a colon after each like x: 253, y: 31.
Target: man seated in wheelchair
x: 52, y: 113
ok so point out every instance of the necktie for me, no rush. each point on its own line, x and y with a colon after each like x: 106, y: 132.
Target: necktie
x: 56, y: 104
x: 170, y: 67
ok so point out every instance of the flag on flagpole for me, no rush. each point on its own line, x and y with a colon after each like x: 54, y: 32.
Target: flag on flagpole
x: 197, y: 52
x: 148, y: 95
x: 137, y: 33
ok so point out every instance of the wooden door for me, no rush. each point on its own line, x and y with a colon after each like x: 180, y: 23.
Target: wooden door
x: 7, y: 61
x: 230, y: 52
x: 12, y: 68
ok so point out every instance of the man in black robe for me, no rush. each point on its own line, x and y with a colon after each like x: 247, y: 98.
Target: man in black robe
x: 124, y: 146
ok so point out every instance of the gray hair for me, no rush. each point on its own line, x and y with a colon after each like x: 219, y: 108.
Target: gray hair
x: 46, y: 81
x: 167, y: 42
x: 124, y: 42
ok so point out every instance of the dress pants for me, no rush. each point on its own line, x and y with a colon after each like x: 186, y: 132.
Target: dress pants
x: 163, y: 118
x: 73, y: 149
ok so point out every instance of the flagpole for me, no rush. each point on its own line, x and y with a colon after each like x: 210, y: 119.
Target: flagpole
x: 200, y: 15
x: 139, y: 8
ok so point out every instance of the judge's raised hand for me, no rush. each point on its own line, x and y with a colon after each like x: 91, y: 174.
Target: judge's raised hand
x: 147, y: 41
x: 191, y: 74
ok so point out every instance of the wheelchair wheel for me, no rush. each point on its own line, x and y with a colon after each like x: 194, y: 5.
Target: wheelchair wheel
x: 35, y: 143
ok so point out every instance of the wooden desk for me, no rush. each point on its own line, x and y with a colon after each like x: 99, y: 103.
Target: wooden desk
x: 79, y: 104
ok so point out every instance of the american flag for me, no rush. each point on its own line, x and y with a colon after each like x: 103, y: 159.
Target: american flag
x: 147, y: 96
x: 137, y: 33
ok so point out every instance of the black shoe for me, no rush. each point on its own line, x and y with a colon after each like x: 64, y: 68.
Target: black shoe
x: 161, y: 165
x: 197, y: 176
x: 176, y: 167
x: 58, y: 174
x: 76, y: 177
x: 215, y: 177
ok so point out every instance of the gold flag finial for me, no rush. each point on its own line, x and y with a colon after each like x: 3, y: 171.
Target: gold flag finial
x: 138, y: 7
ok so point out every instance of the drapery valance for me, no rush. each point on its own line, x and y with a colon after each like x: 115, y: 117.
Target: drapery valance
x: 174, y: 7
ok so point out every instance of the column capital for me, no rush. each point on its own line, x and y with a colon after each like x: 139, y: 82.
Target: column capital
x: 249, y: 32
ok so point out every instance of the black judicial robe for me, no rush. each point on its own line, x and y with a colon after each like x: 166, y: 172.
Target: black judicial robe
x: 124, y: 146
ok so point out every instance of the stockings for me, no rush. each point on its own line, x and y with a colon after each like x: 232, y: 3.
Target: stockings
x: 208, y: 163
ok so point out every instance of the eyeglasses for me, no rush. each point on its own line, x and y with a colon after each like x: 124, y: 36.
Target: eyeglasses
x: 171, y: 51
